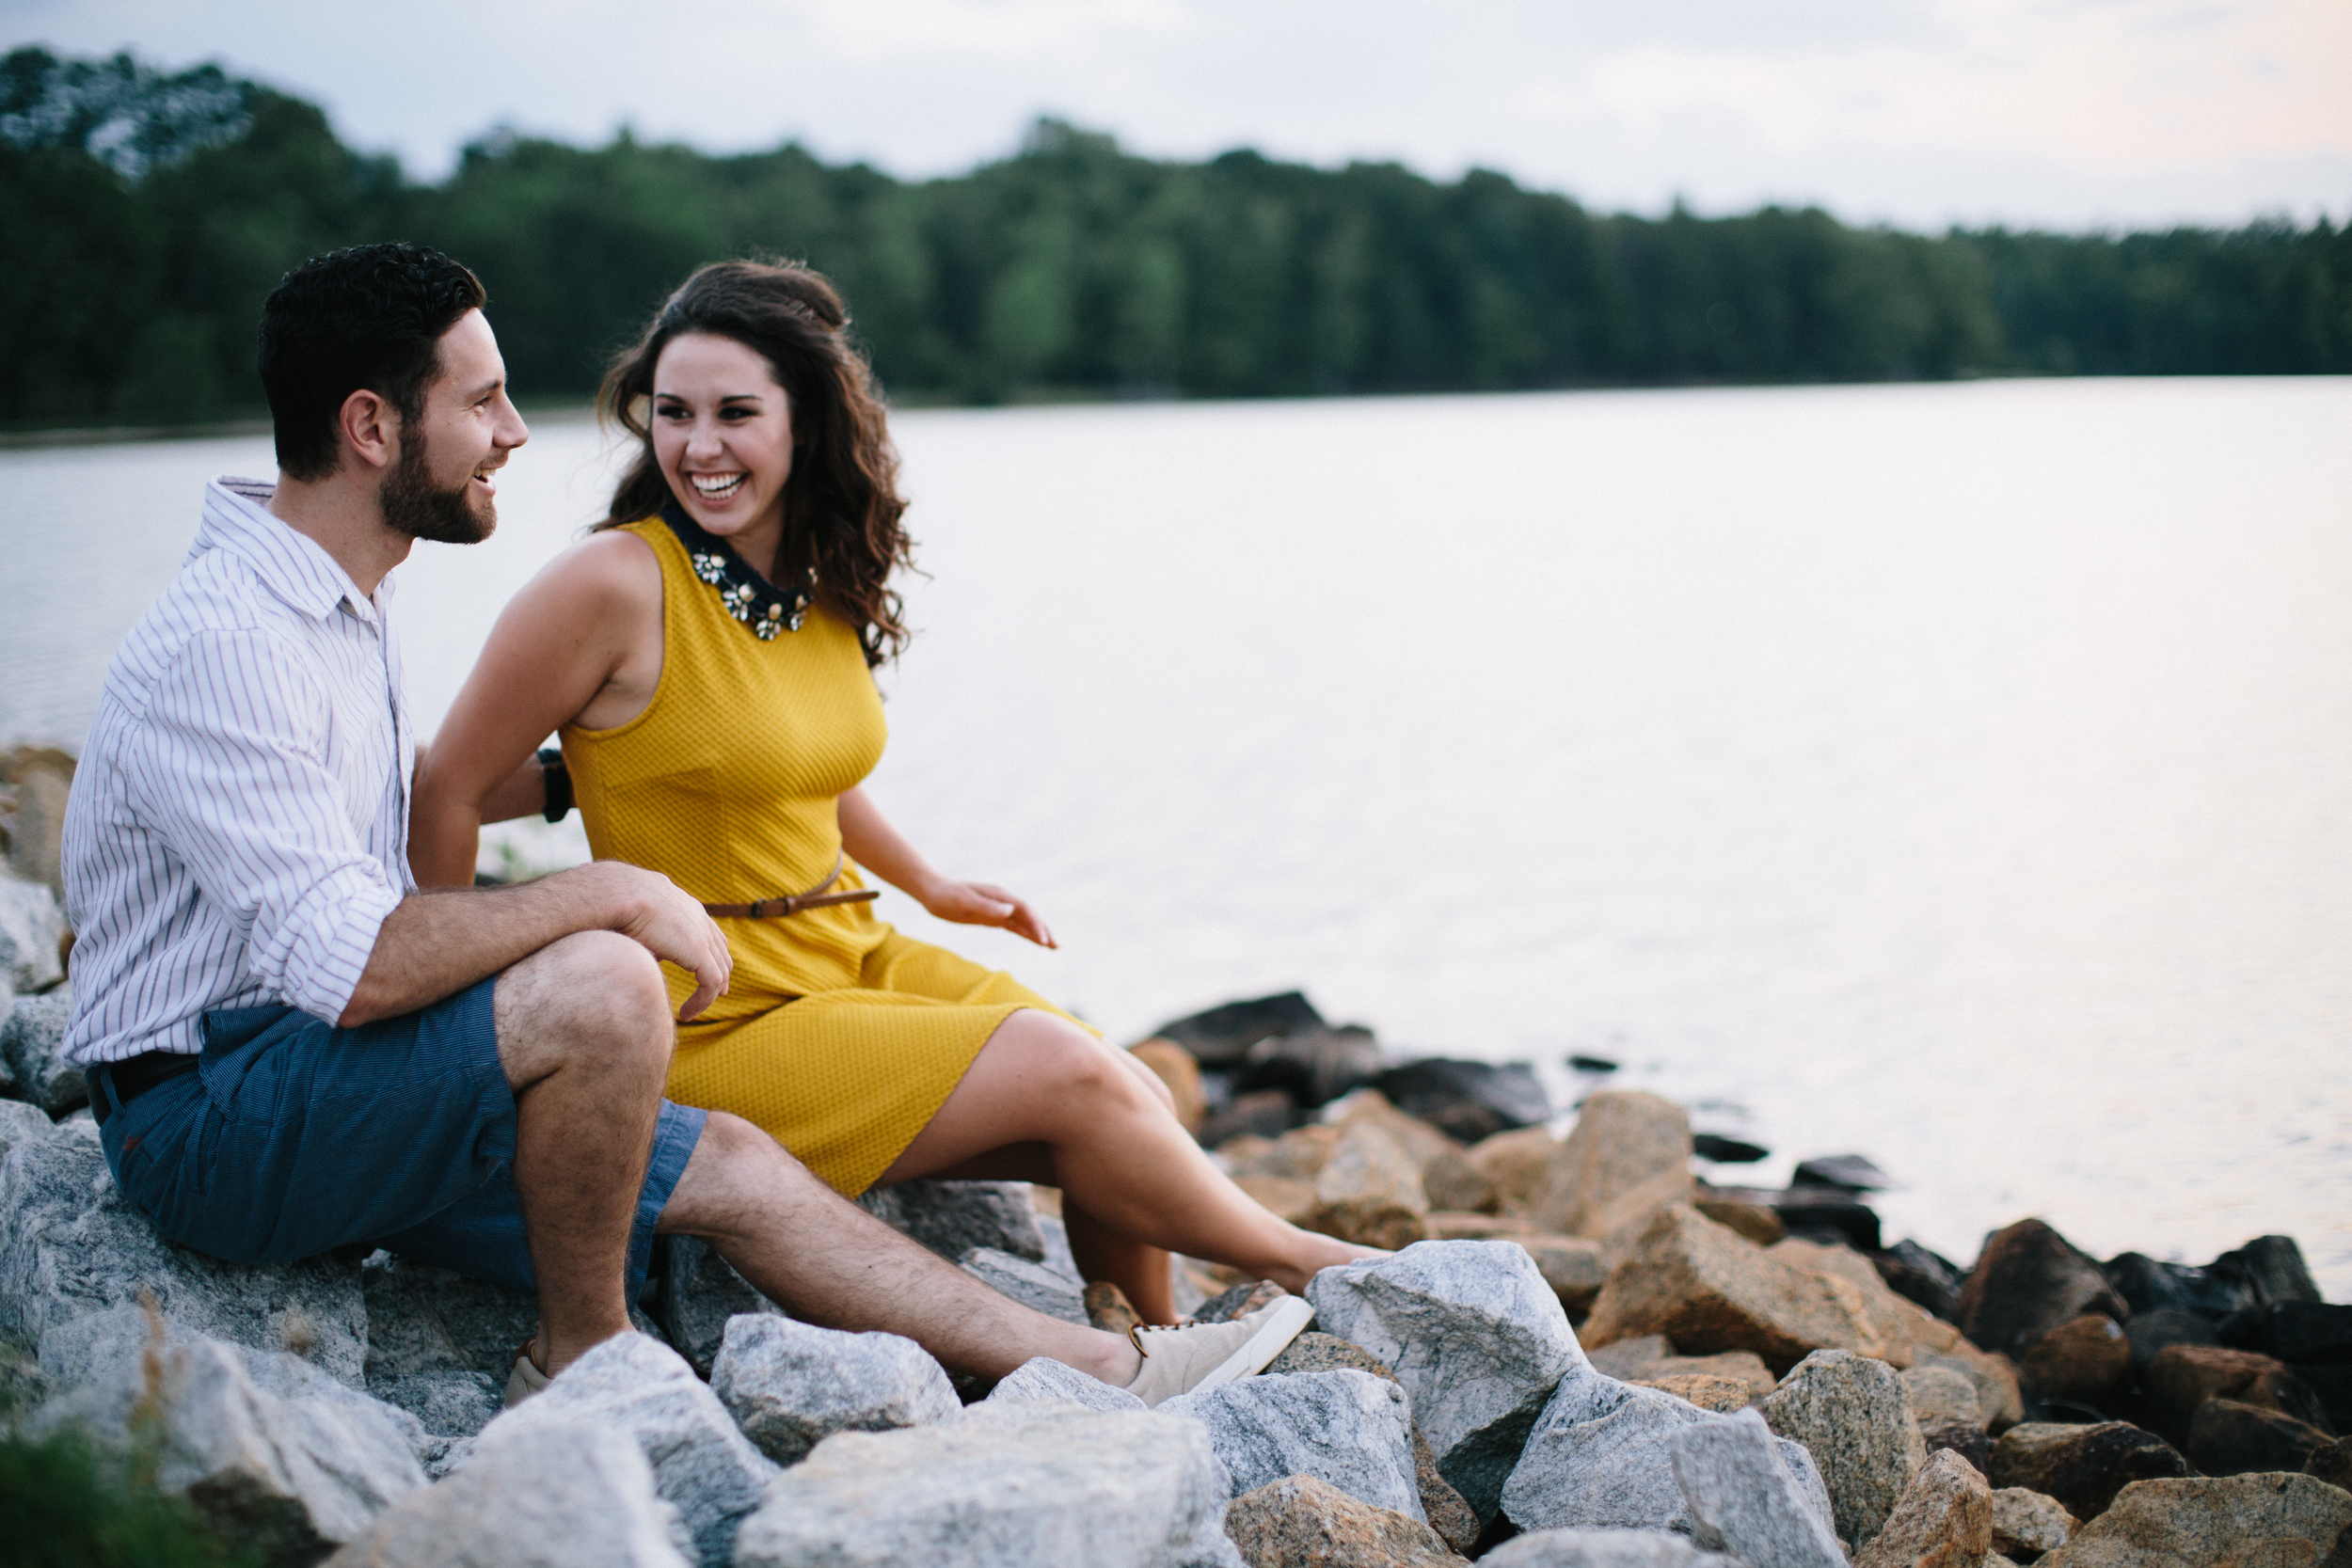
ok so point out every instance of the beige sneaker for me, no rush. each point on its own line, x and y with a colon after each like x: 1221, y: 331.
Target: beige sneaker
x: 1201, y: 1355
x: 526, y: 1379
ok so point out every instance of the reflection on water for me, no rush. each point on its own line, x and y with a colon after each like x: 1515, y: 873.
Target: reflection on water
x: 1953, y: 774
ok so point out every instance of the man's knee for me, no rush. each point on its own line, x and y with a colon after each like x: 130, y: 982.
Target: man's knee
x: 593, y: 993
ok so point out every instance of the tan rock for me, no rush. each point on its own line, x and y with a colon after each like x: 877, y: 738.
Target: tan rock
x: 1651, y: 1359
x: 1297, y: 1154
x: 2027, y: 1524
x: 35, y: 782
x: 1725, y: 1394
x: 1173, y: 1066
x: 1454, y: 1183
x: 1285, y: 1196
x: 1571, y: 1265
x: 1944, y: 1520
x: 1759, y: 1222
x: 2258, y: 1521
x: 1423, y: 1141
x: 1452, y: 1225
x: 1515, y: 1162
x: 2085, y: 1358
x: 1630, y: 1359
x: 1629, y: 1155
x: 2000, y: 1403
x: 1300, y: 1522
x: 1941, y: 1395
x: 1709, y: 1289
x: 1369, y: 1191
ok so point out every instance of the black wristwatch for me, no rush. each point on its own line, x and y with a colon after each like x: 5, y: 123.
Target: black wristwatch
x: 557, y: 780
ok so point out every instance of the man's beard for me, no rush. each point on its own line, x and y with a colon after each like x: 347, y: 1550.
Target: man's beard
x: 414, y: 507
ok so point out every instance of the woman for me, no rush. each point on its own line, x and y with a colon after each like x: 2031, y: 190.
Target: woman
x: 706, y: 657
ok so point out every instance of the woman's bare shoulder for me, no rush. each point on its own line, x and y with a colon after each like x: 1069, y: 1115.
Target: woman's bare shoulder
x: 608, y: 571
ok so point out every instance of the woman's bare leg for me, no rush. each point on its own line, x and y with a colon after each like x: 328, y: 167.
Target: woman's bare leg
x: 1140, y: 1269
x: 1117, y: 1151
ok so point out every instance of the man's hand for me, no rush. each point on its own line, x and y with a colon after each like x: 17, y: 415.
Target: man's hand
x: 671, y: 925
x: 985, y: 904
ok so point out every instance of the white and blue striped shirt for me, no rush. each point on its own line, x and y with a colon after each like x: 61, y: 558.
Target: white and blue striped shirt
x: 239, y: 824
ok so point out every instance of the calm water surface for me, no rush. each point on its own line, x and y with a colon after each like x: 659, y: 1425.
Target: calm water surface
x: 1957, y: 775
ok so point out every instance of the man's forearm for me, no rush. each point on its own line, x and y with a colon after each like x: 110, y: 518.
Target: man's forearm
x: 439, y: 942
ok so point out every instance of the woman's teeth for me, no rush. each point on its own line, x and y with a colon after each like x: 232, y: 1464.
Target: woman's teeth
x: 715, y: 486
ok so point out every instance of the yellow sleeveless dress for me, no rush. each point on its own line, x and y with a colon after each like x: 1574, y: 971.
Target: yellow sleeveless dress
x: 837, y: 1035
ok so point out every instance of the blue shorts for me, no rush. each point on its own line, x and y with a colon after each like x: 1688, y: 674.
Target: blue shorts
x: 294, y: 1137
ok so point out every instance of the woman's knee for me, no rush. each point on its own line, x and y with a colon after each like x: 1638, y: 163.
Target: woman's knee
x: 1078, y: 1068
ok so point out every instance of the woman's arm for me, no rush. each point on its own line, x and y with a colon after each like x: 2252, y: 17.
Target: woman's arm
x: 582, y: 640
x: 880, y: 847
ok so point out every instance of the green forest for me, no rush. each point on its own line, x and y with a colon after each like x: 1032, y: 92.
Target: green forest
x: 150, y: 212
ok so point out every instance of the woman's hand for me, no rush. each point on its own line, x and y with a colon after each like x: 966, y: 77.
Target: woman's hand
x: 985, y: 904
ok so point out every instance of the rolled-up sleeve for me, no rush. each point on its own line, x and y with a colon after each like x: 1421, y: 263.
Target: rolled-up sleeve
x: 232, y: 769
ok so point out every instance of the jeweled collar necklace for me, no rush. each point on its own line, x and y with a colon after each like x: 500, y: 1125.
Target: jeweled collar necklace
x: 751, y: 599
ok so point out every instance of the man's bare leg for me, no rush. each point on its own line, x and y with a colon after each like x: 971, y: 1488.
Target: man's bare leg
x: 829, y: 1261
x: 585, y: 1036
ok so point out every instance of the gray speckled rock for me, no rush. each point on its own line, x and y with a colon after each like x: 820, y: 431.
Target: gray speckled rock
x: 1347, y: 1428
x: 1042, y: 1380
x: 30, y: 926
x: 1604, y: 1549
x: 1475, y: 1335
x: 71, y: 1248
x: 1601, y: 1457
x: 20, y: 1122
x: 790, y: 1385
x: 1033, y: 1285
x: 1742, y: 1498
x: 1007, y: 1486
x: 707, y: 1469
x: 426, y: 1319
x: 2263, y: 1519
x: 1454, y: 1520
x: 576, y: 1496
x: 953, y: 1217
x: 2025, y: 1524
x: 1853, y: 1415
x: 279, y: 1456
x: 1940, y: 1394
x: 32, y: 1042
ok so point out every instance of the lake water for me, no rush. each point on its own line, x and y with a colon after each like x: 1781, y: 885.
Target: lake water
x: 1959, y: 775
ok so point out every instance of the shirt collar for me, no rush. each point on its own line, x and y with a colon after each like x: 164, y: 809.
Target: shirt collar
x: 291, y: 565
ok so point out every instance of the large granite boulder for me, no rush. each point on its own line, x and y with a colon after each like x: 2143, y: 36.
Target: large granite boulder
x: 2028, y: 1280
x: 71, y: 1248
x: 701, y: 1464
x: 2025, y: 1524
x: 1300, y: 1522
x: 790, y: 1385
x: 1944, y: 1520
x: 1743, y: 1498
x: 953, y: 1217
x: 1709, y: 1289
x: 1002, y: 1486
x: 1448, y: 1514
x: 1346, y: 1428
x: 2235, y: 1520
x: 1628, y: 1154
x: 32, y: 1047
x: 576, y: 1496
x: 1853, y: 1417
x: 1601, y: 1457
x: 275, y: 1455
x: 1475, y: 1335
x: 2082, y: 1467
x: 440, y: 1345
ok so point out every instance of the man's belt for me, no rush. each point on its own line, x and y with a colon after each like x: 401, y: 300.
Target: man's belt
x: 775, y: 909
x: 134, y: 1076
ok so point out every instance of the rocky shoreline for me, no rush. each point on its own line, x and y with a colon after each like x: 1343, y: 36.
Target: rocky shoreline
x: 1581, y: 1356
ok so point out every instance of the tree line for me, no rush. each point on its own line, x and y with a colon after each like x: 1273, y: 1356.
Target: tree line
x: 148, y: 212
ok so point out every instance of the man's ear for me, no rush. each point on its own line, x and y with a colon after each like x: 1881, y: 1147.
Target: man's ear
x: 370, y: 428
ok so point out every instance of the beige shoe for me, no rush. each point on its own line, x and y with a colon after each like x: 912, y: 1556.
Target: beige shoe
x: 526, y: 1379
x: 1201, y: 1355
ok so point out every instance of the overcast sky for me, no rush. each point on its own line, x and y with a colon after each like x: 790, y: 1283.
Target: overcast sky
x: 2064, y: 113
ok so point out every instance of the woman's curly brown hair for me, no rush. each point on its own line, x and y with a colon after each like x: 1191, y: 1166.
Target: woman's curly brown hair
x: 841, y: 503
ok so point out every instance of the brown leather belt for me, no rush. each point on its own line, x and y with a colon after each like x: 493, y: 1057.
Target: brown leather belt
x: 775, y: 909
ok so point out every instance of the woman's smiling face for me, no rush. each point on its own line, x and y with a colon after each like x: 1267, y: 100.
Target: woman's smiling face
x: 722, y: 434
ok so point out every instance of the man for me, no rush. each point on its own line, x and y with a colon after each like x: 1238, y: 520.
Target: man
x: 292, y: 1048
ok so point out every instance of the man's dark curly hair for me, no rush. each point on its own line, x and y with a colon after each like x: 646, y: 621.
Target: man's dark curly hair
x: 368, y: 317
